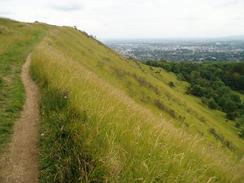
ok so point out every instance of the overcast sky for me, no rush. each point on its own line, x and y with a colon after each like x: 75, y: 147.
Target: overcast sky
x: 135, y: 18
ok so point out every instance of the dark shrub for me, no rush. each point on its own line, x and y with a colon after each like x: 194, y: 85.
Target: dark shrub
x: 171, y: 84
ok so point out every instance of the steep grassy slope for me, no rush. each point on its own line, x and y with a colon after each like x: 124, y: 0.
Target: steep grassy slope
x: 149, y: 87
x: 16, y: 41
x: 105, y: 118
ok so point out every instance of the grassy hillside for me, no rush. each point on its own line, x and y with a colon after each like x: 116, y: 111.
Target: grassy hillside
x: 16, y: 41
x: 105, y: 118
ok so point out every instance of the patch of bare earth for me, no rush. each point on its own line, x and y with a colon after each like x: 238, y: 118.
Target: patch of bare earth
x: 20, y: 162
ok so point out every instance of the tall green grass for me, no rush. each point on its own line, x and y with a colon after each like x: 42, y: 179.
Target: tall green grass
x: 94, y: 131
x: 64, y: 155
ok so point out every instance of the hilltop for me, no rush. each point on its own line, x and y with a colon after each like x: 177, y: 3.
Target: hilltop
x: 107, y: 118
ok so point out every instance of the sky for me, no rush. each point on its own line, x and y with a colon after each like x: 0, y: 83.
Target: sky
x: 135, y: 19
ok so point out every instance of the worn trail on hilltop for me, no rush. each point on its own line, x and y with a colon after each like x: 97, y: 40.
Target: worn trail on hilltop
x: 21, y: 160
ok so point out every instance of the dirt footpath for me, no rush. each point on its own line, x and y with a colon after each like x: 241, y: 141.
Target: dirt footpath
x: 21, y: 160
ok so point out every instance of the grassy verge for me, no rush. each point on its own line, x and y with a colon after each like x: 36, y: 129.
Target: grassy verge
x: 93, y: 131
x: 64, y: 157
x: 18, y: 39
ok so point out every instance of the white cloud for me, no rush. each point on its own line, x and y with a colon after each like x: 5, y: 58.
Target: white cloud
x: 64, y: 5
x: 135, y: 18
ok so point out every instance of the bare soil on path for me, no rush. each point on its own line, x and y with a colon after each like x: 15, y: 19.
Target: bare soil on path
x: 20, y: 162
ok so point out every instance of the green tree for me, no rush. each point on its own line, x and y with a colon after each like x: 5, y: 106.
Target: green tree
x: 212, y: 104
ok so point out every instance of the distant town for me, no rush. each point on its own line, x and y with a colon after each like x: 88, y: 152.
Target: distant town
x: 180, y: 50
